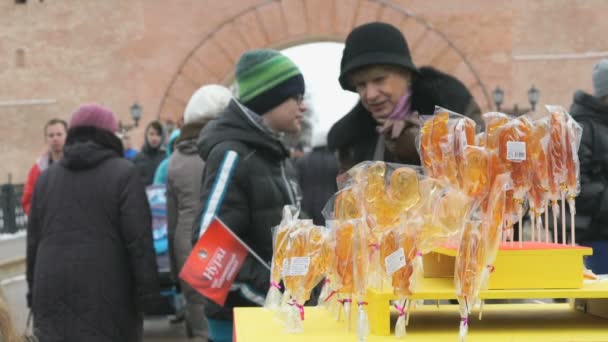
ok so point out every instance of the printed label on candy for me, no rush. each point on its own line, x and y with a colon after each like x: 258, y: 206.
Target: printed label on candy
x: 299, y: 266
x: 395, y: 261
x: 516, y: 151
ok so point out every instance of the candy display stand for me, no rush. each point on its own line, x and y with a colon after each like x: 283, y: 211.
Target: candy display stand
x: 536, y: 270
x: 501, y: 322
x: 535, y: 265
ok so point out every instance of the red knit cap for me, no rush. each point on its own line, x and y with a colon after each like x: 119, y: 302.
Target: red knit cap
x: 94, y: 115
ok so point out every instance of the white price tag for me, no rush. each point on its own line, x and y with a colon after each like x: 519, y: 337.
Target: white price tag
x: 516, y: 151
x: 395, y: 261
x: 299, y: 266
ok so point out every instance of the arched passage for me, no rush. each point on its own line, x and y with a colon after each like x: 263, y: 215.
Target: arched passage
x: 283, y: 23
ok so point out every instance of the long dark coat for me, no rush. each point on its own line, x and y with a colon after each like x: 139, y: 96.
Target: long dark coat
x: 90, y: 259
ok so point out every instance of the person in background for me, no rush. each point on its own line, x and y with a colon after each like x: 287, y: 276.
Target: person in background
x: 184, y: 191
x: 393, y: 93
x: 55, y: 131
x: 591, y: 112
x: 152, y: 153
x: 130, y: 152
x: 90, y: 264
x: 317, y: 172
x: 160, y: 176
x: 248, y: 176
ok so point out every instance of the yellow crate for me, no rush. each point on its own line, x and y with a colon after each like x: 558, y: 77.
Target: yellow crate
x: 534, y: 266
x: 379, y: 309
x: 534, y: 271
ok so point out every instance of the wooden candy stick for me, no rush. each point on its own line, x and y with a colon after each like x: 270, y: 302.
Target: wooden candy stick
x: 400, y: 324
x: 533, y: 226
x: 360, y: 275
x: 547, y: 221
x: 409, y: 309
x: 346, y: 304
x: 539, y: 228
x: 563, y: 218
x: 572, y: 222
x: 521, y: 226
x: 467, y: 270
x: 555, y: 210
x: 573, y: 137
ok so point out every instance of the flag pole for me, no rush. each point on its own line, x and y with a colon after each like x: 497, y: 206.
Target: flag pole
x: 255, y: 255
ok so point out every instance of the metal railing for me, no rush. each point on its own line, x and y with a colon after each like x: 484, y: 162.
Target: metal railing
x: 12, y: 216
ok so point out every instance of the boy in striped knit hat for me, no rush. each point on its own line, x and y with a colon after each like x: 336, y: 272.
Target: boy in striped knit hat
x: 248, y: 176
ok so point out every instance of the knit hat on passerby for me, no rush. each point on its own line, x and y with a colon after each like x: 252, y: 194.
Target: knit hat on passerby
x: 94, y: 115
x: 266, y: 78
x: 206, y: 103
x: 600, y: 78
x: 374, y: 44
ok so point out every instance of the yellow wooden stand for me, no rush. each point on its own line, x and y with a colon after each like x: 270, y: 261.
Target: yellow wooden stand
x: 500, y: 323
x: 527, y: 273
x: 533, y: 266
x: 537, y: 270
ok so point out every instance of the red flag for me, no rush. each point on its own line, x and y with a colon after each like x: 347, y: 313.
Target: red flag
x: 214, y: 262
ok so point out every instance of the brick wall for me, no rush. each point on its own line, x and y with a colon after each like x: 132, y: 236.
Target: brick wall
x: 157, y: 52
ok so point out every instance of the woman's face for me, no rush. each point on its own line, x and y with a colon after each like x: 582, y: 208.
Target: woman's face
x: 380, y: 88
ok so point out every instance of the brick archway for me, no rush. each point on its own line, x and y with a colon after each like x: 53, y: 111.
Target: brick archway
x: 284, y: 23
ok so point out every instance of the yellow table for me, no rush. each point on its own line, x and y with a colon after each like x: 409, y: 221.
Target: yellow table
x: 501, y: 322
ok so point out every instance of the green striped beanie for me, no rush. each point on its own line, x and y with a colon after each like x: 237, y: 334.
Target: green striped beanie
x: 266, y: 78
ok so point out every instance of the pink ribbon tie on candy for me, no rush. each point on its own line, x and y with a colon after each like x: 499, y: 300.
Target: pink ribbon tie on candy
x: 277, y: 285
x: 465, y: 321
x: 342, y: 301
x: 401, y: 309
x: 362, y: 303
x: 374, y: 246
x: 300, y: 308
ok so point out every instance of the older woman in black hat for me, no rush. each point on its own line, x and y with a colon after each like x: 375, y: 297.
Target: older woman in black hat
x: 376, y: 64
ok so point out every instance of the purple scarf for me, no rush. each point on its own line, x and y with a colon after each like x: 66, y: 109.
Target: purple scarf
x: 396, y: 120
x: 403, y: 109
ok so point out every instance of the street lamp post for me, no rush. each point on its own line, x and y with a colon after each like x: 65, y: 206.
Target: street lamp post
x: 135, y: 112
x: 533, y: 95
x: 499, y: 96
